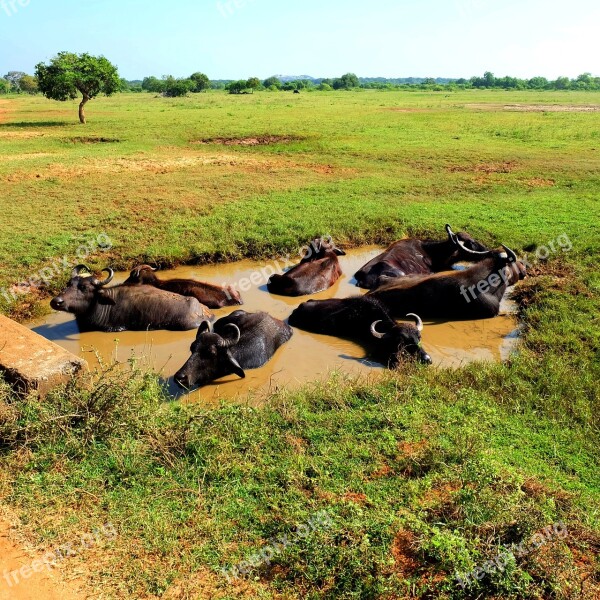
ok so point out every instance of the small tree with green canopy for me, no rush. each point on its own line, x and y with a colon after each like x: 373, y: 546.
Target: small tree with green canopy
x: 346, y: 82
x: 28, y: 84
x: 272, y: 81
x: 4, y: 86
x: 201, y: 82
x: 253, y: 83
x: 70, y: 74
x: 175, y: 88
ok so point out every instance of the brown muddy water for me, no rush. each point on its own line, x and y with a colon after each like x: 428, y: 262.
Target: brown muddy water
x: 306, y: 357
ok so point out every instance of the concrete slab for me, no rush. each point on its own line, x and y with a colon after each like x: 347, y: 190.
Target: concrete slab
x: 30, y: 362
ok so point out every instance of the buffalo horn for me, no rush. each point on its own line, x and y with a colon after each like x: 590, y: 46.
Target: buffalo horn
x: 106, y: 281
x: 451, y: 234
x: 227, y: 343
x: 204, y: 327
x: 511, y: 255
x: 418, y: 320
x: 376, y: 333
x: 80, y: 269
x: 473, y: 252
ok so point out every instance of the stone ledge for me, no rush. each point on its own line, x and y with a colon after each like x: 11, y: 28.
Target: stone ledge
x: 29, y: 361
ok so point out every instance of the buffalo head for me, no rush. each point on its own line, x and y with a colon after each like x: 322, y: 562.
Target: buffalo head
x: 465, y: 243
x: 142, y: 275
x: 401, y: 340
x: 211, y: 357
x: 83, y: 292
x: 319, y: 248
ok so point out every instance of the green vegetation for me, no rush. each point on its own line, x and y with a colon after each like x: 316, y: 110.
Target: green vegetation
x: 425, y: 473
x: 70, y: 74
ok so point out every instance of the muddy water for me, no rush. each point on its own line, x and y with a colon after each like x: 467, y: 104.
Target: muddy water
x: 306, y: 357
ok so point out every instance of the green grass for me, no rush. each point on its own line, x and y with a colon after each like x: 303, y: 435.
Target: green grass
x: 425, y: 472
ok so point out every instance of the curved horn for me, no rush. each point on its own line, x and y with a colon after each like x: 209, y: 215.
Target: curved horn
x: 511, y: 255
x: 418, y: 320
x: 79, y: 269
x: 204, y: 327
x: 106, y: 281
x: 226, y: 343
x: 376, y: 333
x: 473, y: 252
x: 451, y: 235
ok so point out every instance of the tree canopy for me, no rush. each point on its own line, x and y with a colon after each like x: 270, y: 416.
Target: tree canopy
x: 201, y: 82
x: 70, y: 74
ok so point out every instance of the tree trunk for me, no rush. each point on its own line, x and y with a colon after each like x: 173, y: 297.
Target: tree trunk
x: 81, y: 109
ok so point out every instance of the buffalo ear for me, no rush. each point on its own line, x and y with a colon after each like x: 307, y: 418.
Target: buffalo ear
x: 105, y: 298
x: 237, y: 369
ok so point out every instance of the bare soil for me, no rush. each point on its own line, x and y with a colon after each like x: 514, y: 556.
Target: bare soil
x: 536, y: 107
x: 16, y: 560
x: 261, y: 140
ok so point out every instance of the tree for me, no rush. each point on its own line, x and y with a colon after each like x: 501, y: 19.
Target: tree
x: 201, y: 82
x: 253, y: 83
x: 346, y: 82
x: 28, y: 84
x: 238, y: 87
x: 4, y: 86
x: 14, y: 79
x: 272, y: 81
x: 153, y: 84
x: 174, y: 88
x: 69, y: 74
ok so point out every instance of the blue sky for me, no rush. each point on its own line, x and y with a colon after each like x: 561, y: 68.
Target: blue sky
x: 229, y: 39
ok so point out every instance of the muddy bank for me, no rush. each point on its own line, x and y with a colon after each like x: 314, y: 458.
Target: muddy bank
x: 307, y: 357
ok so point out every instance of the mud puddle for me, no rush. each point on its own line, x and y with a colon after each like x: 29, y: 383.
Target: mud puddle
x: 307, y: 357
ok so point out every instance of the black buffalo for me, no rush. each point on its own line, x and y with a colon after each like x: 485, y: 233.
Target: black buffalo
x: 213, y: 296
x: 474, y: 293
x: 418, y: 257
x: 367, y: 321
x: 317, y: 271
x: 239, y: 341
x: 119, y: 308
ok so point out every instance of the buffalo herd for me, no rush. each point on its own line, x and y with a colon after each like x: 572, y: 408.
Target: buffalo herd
x: 411, y: 277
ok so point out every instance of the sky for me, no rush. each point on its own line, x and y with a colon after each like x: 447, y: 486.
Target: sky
x: 235, y: 39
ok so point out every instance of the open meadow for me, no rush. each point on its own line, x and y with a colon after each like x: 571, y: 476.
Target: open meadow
x: 399, y: 483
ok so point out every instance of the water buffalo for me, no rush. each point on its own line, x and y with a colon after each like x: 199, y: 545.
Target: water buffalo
x: 418, y: 257
x: 367, y: 321
x: 239, y: 341
x: 474, y: 293
x: 317, y: 271
x: 137, y: 308
x: 210, y: 295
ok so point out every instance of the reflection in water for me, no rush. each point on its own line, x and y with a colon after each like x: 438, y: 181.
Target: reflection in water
x: 306, y: 357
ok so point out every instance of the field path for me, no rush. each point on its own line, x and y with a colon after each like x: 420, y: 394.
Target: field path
x: 46, y: 585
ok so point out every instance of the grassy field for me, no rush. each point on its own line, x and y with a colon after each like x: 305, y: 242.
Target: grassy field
x: 424, y: 474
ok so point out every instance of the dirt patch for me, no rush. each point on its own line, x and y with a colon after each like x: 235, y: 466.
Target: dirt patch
x: 20, y: 135
x: 408, y: 110
x: 536, y: 107
x: 169, y: 165
x: 487, y: 168
x: 406, y: 562
x: 91, y: 140
x: 206, y: 584
x: 27, y: 156
x: 25, y: 577
x: 538, y: 182
x: 355, y: 498
x: 259, y: 140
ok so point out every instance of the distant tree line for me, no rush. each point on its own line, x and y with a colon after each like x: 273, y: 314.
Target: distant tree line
x: 22, y: 83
